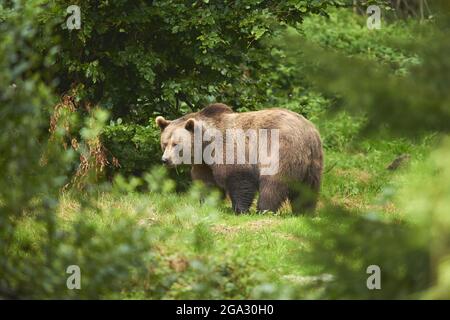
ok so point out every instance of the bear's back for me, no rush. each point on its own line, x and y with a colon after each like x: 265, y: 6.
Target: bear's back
x: 276, y: 118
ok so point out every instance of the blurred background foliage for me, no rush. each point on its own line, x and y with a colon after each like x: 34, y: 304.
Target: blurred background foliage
x: 77, y: 109
x: 391, y: 83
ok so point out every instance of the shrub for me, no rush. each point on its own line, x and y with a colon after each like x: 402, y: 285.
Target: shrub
x: 36, y: 245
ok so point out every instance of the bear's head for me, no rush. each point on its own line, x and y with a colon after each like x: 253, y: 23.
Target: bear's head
x: 177, y: 140
x: 182, y: 137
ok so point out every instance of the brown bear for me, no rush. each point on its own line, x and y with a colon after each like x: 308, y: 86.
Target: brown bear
x: 296, y: 156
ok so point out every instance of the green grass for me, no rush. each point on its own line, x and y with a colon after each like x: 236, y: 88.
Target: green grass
x: 207, y: 251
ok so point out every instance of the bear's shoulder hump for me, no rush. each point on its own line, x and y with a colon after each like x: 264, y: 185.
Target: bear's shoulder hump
x: 215, y: 109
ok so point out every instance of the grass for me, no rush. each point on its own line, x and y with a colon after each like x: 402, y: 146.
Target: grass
x: 196, y: 242
x: 204, y: 250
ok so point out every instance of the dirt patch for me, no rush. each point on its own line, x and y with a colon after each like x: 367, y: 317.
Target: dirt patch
x: 352, y: 203
x: 254, y: 225
x: 261, y: 224
x: 224, y: 229
x: 357, y: 174
x: 355, y: 203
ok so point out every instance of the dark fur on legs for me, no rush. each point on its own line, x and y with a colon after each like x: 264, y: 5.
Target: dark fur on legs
x: 241, y: 188
x: 272, y: 194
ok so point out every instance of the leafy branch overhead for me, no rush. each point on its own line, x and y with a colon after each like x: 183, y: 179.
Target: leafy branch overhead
x: 145, y: 57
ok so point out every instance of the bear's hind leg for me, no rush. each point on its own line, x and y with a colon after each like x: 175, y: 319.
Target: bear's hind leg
x: 303, y: 198
x: 272, y: 194
x: 303, y: 202
x: 241, y: 189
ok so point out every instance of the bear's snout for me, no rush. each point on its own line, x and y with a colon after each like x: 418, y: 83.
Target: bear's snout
x: 165, y: 160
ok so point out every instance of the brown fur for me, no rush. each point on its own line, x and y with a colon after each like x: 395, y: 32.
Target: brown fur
x: 300, y: 158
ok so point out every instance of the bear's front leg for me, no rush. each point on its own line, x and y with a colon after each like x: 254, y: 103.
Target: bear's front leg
x: 203, y: 173
x: 241, y: 188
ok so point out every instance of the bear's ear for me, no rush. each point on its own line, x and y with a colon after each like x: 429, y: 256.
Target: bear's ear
x: 190, y: 125
x: 161, y: 122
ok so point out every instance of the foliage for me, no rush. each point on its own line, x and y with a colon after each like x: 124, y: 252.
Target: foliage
x: 380, y: 93
x: 23, y: 147
x: 403, y: 257
x: 411, y: 247
x: 36, y: 246
x: 429, y: 183
x: 135, y: 146
x: 162, y: 53
x: 136, y: 236
x: 349, y: 34
x: 139, y: 59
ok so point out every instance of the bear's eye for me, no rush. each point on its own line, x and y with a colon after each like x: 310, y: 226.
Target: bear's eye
x: 174, y: 145
x: 164, y: 145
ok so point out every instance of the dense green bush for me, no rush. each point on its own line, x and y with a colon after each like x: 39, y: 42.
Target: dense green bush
x: 23, y: 99
x: 138, y: 58
x: 135, y: 146
x: 36, y: 245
